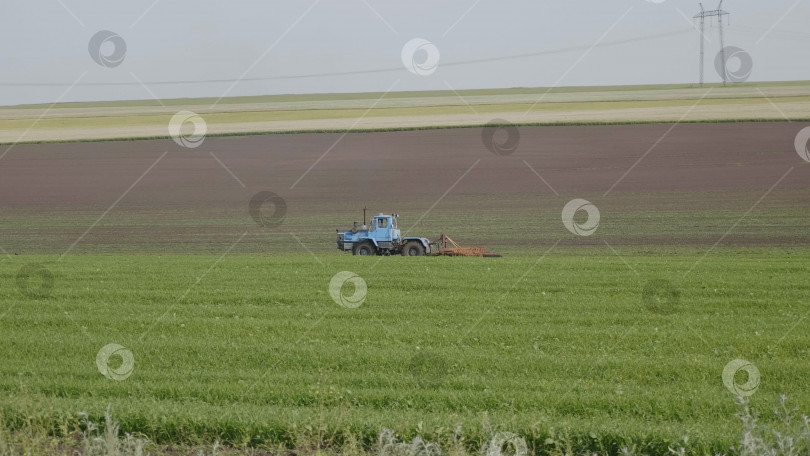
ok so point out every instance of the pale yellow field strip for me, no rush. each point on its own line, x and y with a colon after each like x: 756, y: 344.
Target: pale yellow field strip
x: 334, y: 112
x: 763, y: 111
x: 410, y: 102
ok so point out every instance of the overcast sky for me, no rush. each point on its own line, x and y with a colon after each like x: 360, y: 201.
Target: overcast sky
x: 310, y: 46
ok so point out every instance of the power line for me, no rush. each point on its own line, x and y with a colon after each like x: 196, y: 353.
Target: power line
x: 356, y: 72
x: 779, y: 34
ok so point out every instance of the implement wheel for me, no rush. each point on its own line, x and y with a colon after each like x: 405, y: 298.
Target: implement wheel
x: 413, y: 248
x: 364, y: 248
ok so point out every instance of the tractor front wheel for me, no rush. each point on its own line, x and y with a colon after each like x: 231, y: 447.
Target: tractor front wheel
x: 413, y: 248
x: 365, y: 248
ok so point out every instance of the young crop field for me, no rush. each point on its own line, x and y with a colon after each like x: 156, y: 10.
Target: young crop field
x: 597, y: 351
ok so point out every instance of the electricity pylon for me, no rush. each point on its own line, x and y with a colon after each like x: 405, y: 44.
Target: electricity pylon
x: 702, y: 15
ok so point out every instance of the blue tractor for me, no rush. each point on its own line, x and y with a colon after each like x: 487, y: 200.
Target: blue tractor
x: 381, y: 237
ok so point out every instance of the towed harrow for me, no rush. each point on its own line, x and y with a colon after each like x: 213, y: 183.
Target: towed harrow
x: 449, y: 247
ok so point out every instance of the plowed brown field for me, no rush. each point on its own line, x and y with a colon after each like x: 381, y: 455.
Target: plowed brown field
x: 661, y: 184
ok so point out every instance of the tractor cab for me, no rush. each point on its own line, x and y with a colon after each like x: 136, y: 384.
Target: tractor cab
x: 383, y: 228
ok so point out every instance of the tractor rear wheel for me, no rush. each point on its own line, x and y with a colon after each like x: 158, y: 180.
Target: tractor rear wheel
x: 413, y: 248
x: 365, y: 248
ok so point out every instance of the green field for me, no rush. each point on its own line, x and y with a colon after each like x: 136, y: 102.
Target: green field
x: 561, y: 349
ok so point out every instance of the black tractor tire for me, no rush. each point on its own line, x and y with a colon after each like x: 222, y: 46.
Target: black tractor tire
x: 364, y: 248
x: 413, y: 248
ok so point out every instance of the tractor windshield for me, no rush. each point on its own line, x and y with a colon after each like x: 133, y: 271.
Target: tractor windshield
x: 382, y: 223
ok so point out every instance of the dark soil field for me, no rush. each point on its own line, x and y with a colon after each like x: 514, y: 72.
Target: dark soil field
x: 686, y: 184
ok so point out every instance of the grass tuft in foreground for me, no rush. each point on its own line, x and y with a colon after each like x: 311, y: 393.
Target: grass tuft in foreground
x: 789, y: 437
x: 597, y: 352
